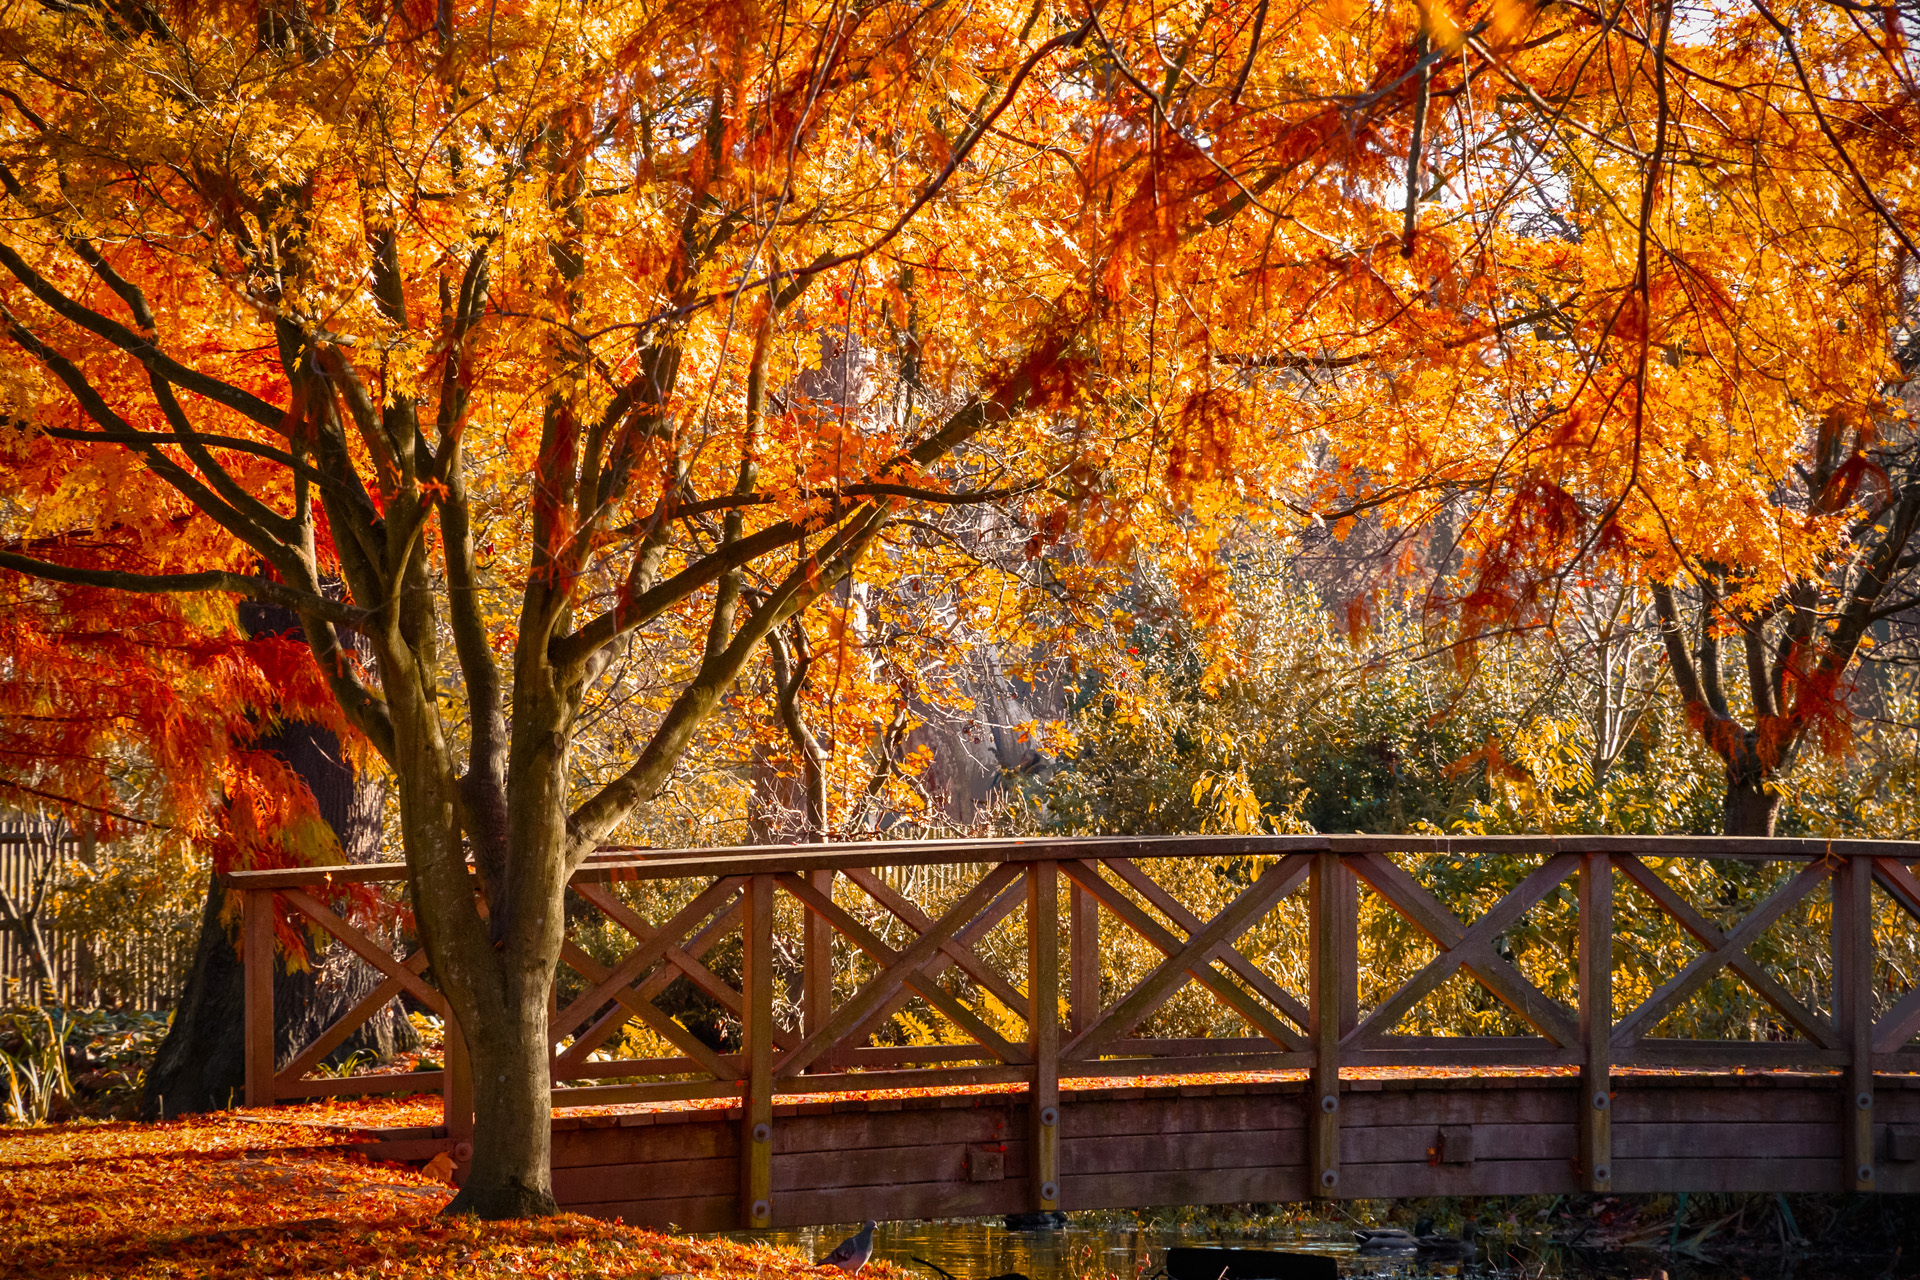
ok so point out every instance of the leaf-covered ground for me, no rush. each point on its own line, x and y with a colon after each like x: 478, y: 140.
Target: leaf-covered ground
x: 226, y: 1195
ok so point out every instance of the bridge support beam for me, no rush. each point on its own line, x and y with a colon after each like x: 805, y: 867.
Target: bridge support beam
x: 1332, y: 946
x: 456, y: 1097
x: 1595, y: 1107
x: 1043, y: 1031
x: 256, y: 941
x: 756, y: 1106
x: 1853, y: 1016
x: 816, y: 995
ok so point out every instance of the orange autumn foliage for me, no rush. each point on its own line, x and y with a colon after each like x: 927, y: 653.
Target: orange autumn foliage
x: 225, y: 1196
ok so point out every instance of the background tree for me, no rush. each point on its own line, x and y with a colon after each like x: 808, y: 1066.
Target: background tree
x: 147, y: 721
x: 201, y: 1065
x: 1794, y: 653
x: 1708, y: 273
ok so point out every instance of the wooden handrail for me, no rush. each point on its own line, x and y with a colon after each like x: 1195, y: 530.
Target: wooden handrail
x: 680, y: 864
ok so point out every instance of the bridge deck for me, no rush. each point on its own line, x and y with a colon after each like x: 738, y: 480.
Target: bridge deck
x: 1032, y: 986
x: 1121, y: 1146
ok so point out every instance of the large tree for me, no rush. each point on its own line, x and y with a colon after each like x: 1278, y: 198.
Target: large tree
x: 483, y: 309
x: 201, y: 1064
x: 477, y: 310
x: 1788, y: 651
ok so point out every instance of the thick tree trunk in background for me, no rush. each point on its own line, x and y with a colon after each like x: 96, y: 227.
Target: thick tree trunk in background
x: 201, y: 1065
x: 1751, y: 806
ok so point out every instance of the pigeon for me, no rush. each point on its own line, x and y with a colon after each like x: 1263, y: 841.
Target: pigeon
x: 852, y: 1253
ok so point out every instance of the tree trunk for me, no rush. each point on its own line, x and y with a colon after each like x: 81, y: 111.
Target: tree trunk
x: 500, y: 992
x: 1750, y: 807
x: 201, y: 1065
x: 511, y: 1175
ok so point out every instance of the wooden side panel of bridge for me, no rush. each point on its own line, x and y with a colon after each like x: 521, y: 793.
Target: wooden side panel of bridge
x: 1220, y: 1144
x: 1044, y: 1089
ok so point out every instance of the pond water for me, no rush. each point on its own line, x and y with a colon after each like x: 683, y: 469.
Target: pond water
x: 982, y: 1248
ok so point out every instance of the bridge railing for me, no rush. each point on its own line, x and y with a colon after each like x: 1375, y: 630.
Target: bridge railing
x: 743, y: 974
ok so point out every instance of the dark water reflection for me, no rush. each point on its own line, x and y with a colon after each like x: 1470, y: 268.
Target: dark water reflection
x: 977, y: 1249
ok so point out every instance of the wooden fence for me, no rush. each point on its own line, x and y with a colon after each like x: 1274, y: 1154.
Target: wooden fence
x: 1300, y: 1002
x: 40, y: 961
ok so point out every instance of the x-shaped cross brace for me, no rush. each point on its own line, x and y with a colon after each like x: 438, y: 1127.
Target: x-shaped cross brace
x: 1189, y: 959
x: 616, y: 983
x: 1723, y: 951
x: 906, y: 965
x: 1468, y: 947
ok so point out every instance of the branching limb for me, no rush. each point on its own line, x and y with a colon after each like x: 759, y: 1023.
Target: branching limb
x: 1812, y: 96
x: 1709, y: 652
x: 142, y: 349
x: 1423, y: 93
x: 1686, y: 677
x: 264, y: 590
x: 241, y: 526
x: 791, y: 667
x: 1753, y: 642
x: 235, y: 444
x: 648, y: 604
x: 641, y: 607
x: 814, y: 576
x: 1253, y: 51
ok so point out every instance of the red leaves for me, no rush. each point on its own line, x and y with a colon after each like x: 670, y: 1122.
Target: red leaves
x: 1543, y: 524
x: 155, y: 696
x: 1205, y: 433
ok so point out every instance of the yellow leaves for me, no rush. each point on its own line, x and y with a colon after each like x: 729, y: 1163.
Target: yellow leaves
x: 1181, y: 316
x: 1229, y: 802
x: 1437, y: 20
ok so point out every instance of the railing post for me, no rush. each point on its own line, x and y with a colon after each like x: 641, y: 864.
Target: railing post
x: 816, y: 991
x: 1083, y: 961
x: 1596, y: 1021
x: 1853, y: 1016
x: 256, y: 948
x: 756, y: 1107
x: 1328, y: 909
x: 1043, y: 1032
x: 456, y: 1090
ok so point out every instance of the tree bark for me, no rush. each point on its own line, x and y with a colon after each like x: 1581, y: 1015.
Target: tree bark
x: 1750, y: 806
x: 513, y: 1132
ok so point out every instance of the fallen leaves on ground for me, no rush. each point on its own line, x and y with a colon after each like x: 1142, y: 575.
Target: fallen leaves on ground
x: 370, y: 1115
x: 226, y: 1196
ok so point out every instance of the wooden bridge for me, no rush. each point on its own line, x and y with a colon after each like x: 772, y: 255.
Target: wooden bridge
x: 923, y: 1029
